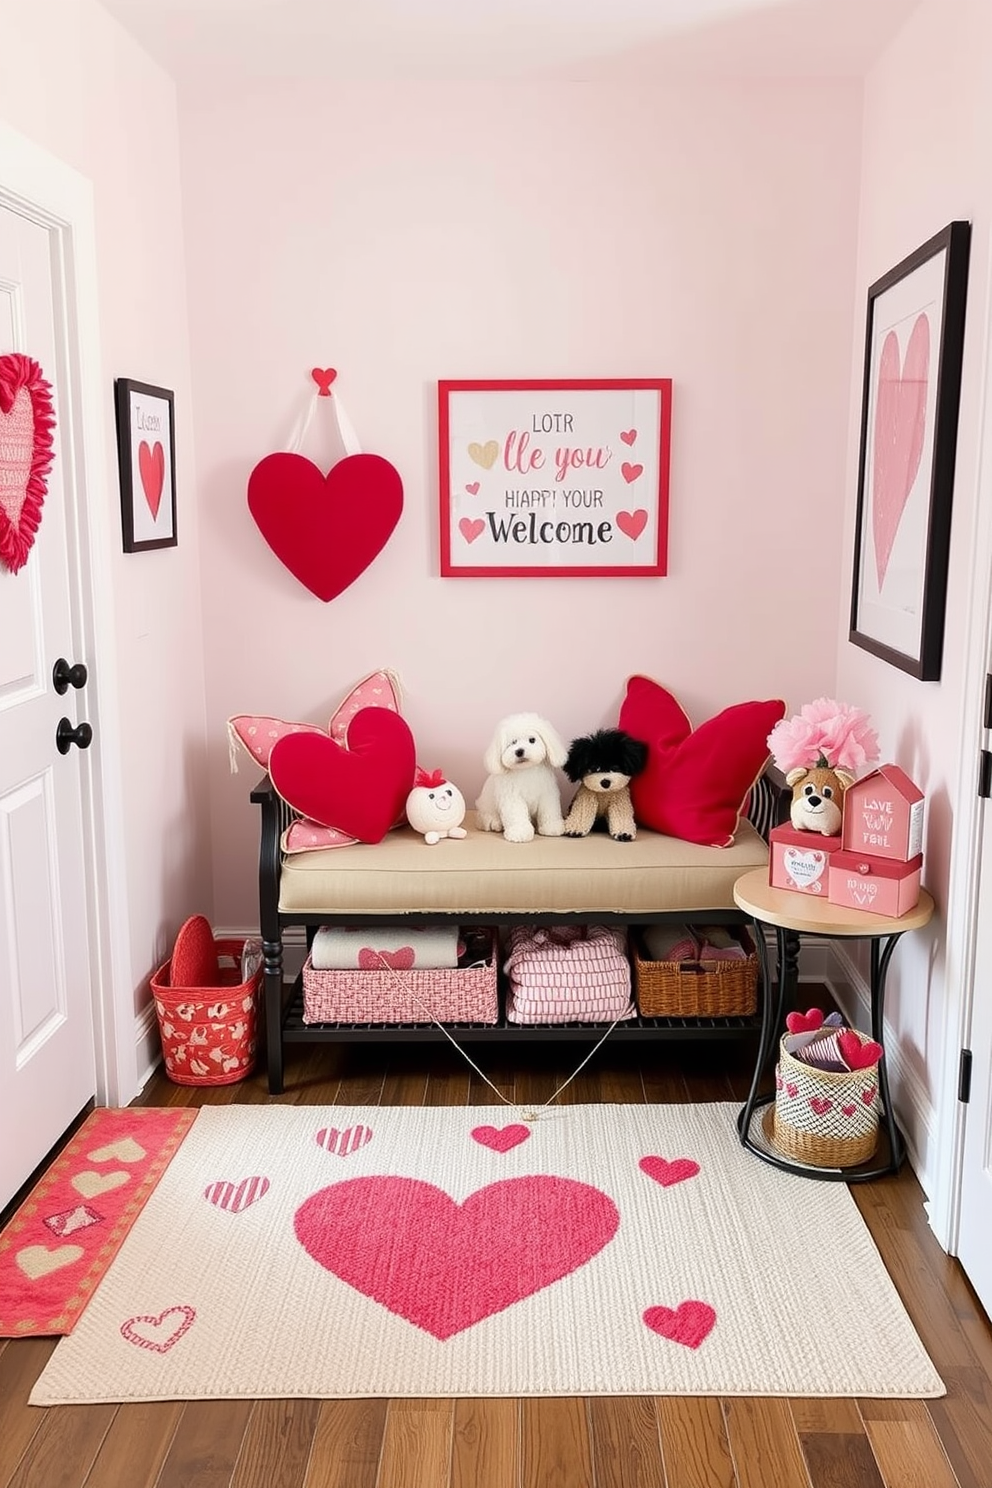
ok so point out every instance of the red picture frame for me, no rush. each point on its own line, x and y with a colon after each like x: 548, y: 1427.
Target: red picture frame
x: 546, y: 478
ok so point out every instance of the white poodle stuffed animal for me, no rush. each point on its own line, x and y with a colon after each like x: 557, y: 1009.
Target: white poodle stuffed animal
x: 521, y: 792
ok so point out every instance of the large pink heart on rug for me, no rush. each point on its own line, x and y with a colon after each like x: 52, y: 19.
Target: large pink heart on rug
x: 26, y: 426
x: 445, y: 1266
x: 328, y: 528
x: 900, y: 429
x: 360, y: 790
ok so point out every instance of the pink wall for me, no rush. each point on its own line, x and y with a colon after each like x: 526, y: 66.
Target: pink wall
x: 75, y: 83
x: 927, y: 161
x: 409, y: 233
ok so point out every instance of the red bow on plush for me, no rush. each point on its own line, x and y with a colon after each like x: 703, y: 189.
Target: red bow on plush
x: 435, y: 778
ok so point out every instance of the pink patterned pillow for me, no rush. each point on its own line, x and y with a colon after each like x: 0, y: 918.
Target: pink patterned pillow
x: 257, y: 733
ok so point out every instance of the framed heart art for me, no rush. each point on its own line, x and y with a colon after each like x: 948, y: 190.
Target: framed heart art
x: 909, y: 420
x: 146, y: 449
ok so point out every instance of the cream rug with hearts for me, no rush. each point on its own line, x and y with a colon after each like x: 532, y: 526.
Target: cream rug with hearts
x: 454, y: 1251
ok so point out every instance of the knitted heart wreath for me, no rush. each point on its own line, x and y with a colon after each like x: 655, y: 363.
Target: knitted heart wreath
x: 27, y: 424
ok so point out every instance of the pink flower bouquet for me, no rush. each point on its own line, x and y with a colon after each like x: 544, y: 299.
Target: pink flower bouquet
x: 824, y: 735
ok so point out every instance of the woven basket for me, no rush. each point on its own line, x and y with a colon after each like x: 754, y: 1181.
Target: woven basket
x: 449, y: 994
x: 209, y: 1034
x: 696, y: 989
x: 825, y: 1118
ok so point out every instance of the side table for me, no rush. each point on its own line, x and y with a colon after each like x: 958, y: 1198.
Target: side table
x: 798, y: 915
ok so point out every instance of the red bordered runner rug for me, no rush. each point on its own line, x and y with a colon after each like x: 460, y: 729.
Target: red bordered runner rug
x: 58, y: 1245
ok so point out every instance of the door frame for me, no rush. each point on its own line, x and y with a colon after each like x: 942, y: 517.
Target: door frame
x: 41, y: 186
x: 964, y: 883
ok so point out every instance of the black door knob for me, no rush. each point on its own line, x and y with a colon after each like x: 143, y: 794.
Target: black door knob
x: 65, y: 734
x: 64, y: 676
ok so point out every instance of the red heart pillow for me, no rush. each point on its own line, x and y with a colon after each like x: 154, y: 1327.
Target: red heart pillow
x: 696, y: 781
x: 360, y: 790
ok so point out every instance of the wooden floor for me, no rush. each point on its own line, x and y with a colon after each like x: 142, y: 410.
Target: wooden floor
x: 623, y: 1442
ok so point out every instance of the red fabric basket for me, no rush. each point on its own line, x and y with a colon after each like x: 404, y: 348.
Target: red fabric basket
x: 209, y: 1034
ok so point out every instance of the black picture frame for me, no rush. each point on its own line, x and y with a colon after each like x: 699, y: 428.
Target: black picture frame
x: 146, y: 452
x: 914, y: 343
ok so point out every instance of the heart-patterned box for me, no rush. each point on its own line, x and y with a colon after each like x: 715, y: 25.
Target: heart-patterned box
x: 800, y: 860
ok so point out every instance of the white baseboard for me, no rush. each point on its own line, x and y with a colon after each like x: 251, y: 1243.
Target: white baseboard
x: 148, y: 1046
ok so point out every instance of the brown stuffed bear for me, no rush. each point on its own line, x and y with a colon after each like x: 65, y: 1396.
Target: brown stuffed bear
x: 604, y: 763
x: 818, y: 799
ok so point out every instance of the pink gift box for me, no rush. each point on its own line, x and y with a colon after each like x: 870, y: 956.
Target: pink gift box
x: 799, y: 860
x: 883, y: 815
x: 877, y: 885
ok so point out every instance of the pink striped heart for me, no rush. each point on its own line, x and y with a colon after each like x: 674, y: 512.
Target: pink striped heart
x: 666, y: 1173
x: 159, y: 1333
x: 343, y: 1143
x: 236, y: 1197
x: 500, y: 1138
x: 689, y: 1323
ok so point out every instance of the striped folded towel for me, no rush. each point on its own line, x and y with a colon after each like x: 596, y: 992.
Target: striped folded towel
x: 568, y: 974
x: 344, y: 948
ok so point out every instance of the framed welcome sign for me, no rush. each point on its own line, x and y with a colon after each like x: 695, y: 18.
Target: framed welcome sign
x: 554, y: 478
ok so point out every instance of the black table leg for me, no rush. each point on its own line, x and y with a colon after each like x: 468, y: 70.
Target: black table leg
x: 771, y: 1017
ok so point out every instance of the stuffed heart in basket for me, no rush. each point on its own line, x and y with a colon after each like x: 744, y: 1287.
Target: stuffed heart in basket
x: 360, y: 790
x: 858, y: 1054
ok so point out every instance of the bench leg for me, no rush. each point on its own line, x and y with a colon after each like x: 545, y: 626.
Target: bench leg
x: 272, y: 950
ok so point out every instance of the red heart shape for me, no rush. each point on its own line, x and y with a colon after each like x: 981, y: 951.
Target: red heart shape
x: 819, y: 1105
x: 27, y: 423
x: 323, y: 377
x: 807, y: 1022
x: 628, y: 435
x: 360, y: 790
x: 900, y: 429
x: 401, y: 960
x: 695, y: 781
x: 857, y: 1055
x: 689, y: 1323
x: 868, y: 1095
x: 632, y: 524
x: 666, y: 1173
x: 151, y: 466
x: 445, y: 1266
x: 326, y: 529
x: 500, y: 1138
x: 630, y: 472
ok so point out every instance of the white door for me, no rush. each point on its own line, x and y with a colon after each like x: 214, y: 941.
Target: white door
x: 47, y: 1060
x: 975, y: 1224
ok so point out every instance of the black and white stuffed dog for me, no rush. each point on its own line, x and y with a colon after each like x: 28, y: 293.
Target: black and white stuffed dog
x: 603, y: 765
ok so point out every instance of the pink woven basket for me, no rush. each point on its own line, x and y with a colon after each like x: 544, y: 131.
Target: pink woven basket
x: 449, y: 994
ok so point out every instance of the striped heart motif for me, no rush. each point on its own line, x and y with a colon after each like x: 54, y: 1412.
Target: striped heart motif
x: 159, y: 1333
x: 343, y: 1143
x: 234, y: 1198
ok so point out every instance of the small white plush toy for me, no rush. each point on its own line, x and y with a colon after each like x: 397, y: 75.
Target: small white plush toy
x: 435, y: 807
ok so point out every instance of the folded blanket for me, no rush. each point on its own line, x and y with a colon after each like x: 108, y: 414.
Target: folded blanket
x: 342, y: 948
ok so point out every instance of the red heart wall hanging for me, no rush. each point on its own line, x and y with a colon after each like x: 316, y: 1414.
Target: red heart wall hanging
x: 27, y: 424
x: 328, y: 528
x: 360, y: 790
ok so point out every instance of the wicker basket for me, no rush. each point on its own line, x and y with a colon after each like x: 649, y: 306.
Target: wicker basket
x: 696, y: 989
x: 449, y: 994
x: 209, y: 1034
x: 828, y: 1119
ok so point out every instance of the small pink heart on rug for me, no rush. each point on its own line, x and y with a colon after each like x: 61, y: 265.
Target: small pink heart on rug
x: 820, y: 1105
x: 159, y: 1333
x: 689, y: 1323
x: 857, y: 1055
x: 151, y: 467
x: 445, y: 1265
x: 399, y: 960
x: 848, y: 1110
x: 343, y: 1143
x: 807, y: 1022
x: 472, y: 487
x: 632, y: 524
x: 500, y: 1138
x: 791, y: 1090
x: 471, y: 528
x: 236, y: 1197
x: 630, y: 472
x: 899, y: 435
x: 868, y: 1094
x: 628, y: 435
x: 323, y: 377
x: 668, y: 1172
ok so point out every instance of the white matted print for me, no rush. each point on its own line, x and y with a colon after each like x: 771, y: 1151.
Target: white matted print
x: 554, y: 478
x: 146, y: 447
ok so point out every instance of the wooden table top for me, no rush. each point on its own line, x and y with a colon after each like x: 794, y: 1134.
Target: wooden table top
x: 791, y: 910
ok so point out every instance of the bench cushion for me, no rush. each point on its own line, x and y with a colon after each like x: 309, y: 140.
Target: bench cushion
x: 484, y: 874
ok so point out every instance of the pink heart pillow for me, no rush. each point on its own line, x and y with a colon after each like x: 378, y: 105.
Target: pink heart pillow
x: 361, y: 789
x: 696, y: 781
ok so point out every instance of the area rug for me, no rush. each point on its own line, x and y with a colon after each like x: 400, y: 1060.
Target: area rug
x: 61, y: 1240
x: 458, y: 1251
